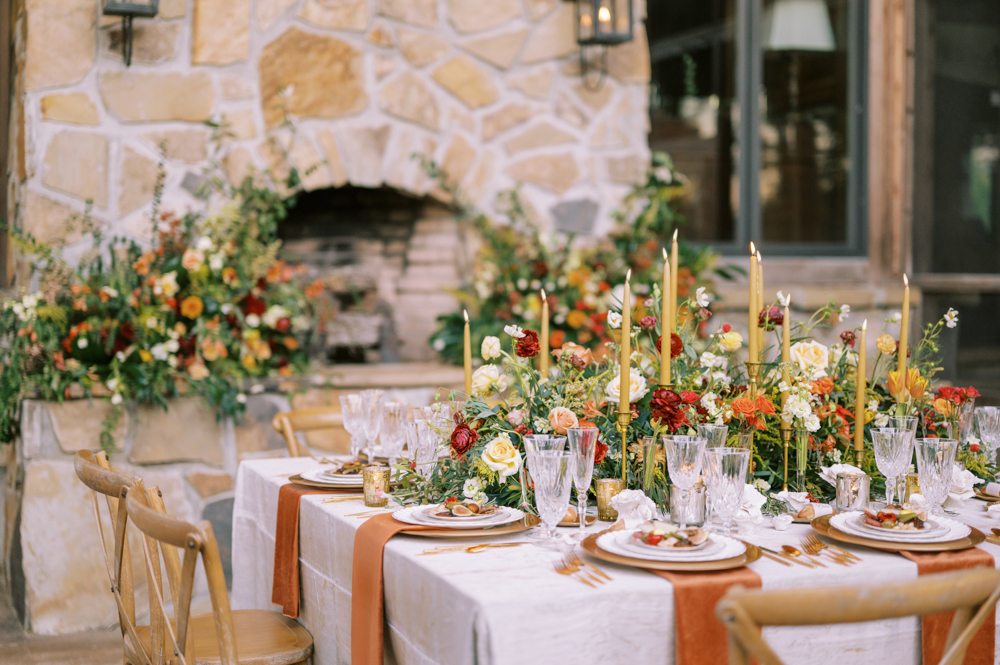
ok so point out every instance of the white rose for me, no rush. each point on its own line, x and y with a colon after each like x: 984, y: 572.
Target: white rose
x: 82, y: 342
x: 811, y: 356
x: 488, y: 379
x: 204, y: 243
x: 636, y: 391
x: 116, y: 399
x: 253, y: 320
x: 272, y: 315
x: 217, y: 261
x: 491, y: 348
x: 501, y: 456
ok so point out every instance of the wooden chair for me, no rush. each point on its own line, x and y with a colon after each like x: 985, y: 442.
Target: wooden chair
x: 305, y: 420
x: 971, y: 594
x: 248, y: 637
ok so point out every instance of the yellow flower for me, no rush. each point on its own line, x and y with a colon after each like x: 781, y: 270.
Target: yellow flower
x: 886, y: 344
x: 145, y: 355
x: 944, y: 407
x: 249, y: 361
x: 576, y: 318
x: 730, y: 341
x: 914, y: 387
x: 192, y: 307
x: 811, y: 356
x: 501, y: 456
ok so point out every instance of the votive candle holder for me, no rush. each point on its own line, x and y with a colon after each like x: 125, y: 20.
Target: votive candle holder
x: 607, y: 489
x: 376, y: 484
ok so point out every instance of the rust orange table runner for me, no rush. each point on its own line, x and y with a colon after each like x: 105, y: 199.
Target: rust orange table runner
x: 367, y: 602
x: 700, y: 637
x: 934, y: 628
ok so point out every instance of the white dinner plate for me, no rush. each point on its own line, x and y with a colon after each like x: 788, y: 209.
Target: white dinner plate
x: 616, y: 542
x: 846, y: 522
x: 931, y: 529
x: 710, y: 546
x: 317, y: 476
x: 430, y: 510
x: 414, y: 515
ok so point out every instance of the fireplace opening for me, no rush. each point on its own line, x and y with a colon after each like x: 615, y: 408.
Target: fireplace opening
x: 360, y: 242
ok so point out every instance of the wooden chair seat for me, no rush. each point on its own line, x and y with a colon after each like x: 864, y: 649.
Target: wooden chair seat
x: 264, y: 638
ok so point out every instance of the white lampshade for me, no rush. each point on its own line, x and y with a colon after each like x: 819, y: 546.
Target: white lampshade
x: 798, y: 25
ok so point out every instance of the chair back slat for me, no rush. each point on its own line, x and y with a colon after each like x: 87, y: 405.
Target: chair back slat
x: 194, y: 540
x: 289, y: 423
x: 971, y: 594
x: 172, y: 562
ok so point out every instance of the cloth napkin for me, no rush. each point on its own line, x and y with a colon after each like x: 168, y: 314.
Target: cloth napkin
x: 795, y: 501
x: 285, y: 584
x: 934, y: 627
x: 829, y: 473
x: 752, y: 502
x: 701, y: 638
x: 633, y: 507
x: 367, y: 601
x: 993, y: 489
x: 962, y: 483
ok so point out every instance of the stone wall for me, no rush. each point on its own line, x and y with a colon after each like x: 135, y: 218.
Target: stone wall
x: 491, y: 90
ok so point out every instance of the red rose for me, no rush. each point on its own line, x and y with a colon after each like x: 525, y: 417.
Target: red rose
x: 600, y: 451
x: 253, y: 305
x: 770, y: 317
x: 689, y: 397
x: 462, y: 438
x: 527, y: 346
x: 972, y: 393
x: 283, y: 324
x: 665, y: 406
x: 974, y: 447
x: 946, y: 392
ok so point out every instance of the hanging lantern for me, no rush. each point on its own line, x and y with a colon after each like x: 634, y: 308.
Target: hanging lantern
x: 128, y: 11
x: 603, y: 22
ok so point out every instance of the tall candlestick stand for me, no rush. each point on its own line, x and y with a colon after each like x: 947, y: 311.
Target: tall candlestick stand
x: 753, y: 372
x: 786, y: 437
x: 623, y: 422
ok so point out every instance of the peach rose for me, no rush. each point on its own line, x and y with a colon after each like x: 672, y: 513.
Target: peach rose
x: 192, y: 259
x: 561, y: 419
x: 886, y: 344
x: 582, y: 353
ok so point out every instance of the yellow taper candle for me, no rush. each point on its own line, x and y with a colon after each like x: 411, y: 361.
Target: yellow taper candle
x: 467, y: 354
x: 752, y: 333
x: 665, y: 316
x: 673, y: 286
x: 624, y: 380
x: 786, y: 354
x: 761, y: 330
x: 543, y: 355
x: 859, y: 397
x: 904, y: 335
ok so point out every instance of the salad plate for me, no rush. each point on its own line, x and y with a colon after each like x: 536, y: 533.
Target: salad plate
x: 829, y: 526
x: 747, y: 554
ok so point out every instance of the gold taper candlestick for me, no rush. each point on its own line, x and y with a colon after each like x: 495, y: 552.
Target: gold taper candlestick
x: 786, y: 437
x: 753, y: 372
x: 624, y: 419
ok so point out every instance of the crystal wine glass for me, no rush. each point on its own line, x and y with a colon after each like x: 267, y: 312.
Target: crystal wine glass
x: 684, y: 460
x: 715, y: 435
x: 725, y: 476
x: 893, y: 451
x: 371, y: 407
x: 536, y: 442
x: 988, y: 421
x: 582, y: 445
x: 354, y: 421
x: 393, y: 430
x: 422, y: 445
x: 935, y: 464
x: 553, y: 476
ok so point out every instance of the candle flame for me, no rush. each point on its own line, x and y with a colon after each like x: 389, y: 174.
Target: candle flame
x: 864, y: 326
x: 543, y: 294
x: 906, y: 282
x: 760, y: 257
x: 664, y: 253
x: 586, y: 21
x: 628, y: 275
x: 788, y: 301
x: 465, y: 313
x: 753, y: 250
x: 603, y: 15
x: 675, y: 234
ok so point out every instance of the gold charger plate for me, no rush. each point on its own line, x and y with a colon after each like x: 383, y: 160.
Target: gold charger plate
x: 590, y: 520
x: 984, y: 496
x: 822, y: 524
x: 514, y: 527
x: 751, y: 554
x: 299, y: 480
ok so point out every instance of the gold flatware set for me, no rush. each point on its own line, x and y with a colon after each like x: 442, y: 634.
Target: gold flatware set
x: 471, y: 549
x: 573, y: 566
x: 810, y: 554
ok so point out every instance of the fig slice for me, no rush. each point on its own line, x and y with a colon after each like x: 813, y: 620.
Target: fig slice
x: 460, y: 511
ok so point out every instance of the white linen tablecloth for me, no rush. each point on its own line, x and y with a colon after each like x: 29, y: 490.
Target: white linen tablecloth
x: 509, y: 606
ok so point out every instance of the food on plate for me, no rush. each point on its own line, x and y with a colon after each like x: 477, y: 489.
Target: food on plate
x: 814, y: 510
x: 348, y: 469
x: 453, y: 507
x: 665, y: 534
x: 900, y: 518
x: 571, y: 515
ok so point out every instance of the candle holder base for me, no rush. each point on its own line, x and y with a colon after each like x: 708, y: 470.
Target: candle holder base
x: 753, y: 373
x: 665, y: 386
x: 786, y: 438
x: 622, y: 422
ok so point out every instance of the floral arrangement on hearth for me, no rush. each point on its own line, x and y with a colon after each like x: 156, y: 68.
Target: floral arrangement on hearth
x: 813, y: 394
x: 517, y: 260
x: 205, y: 307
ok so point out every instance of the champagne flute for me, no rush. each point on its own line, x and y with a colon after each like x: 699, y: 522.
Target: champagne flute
x: 371, y: 406
x: 893, y: 450
x: 582, y: 446
x: 393, y: 430
x: 354, y: 422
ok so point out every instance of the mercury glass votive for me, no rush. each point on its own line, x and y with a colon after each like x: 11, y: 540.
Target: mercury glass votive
x: 852, y: 491
x: 376, y: 482
x: 607, y: 489
x: 688, y: 506
x: 912, y: 486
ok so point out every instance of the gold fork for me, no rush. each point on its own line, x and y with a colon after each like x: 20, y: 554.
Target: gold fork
x: 815, y: 549
x: 820, y: 545
x: 577, y: 561
x: 564, y: 568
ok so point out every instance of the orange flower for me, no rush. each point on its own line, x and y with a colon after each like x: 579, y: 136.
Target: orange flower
x: 576, y: 318
x: 274, y: 272
x: 314, y: 290
x: 291, y: 343
x: 229, y: 275
x: 821, y: 386
x: 764, y: 406
x: 285, y: 371
x: 557, y: 338
x: 213, y: 349
x: 192, y: 307
x: 591, y: 411
x: 944, y: 407
x: 80, y: 289
x: 744, y: 406
x: 141, y: 265
x: 80, y: 304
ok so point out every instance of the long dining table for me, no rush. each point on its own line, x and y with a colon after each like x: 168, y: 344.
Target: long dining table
x: 509, y: 606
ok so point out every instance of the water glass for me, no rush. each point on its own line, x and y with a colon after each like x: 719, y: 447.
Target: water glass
x: 853, y: 491
x: 965, y: 413
x: 582, y: 446
x: 988, y: 421
x: 393, y: 430
x: 715, y: 435
x: 553, y: 475
x: 533, y: 443
x: 354, y: 421
x: 725, y: 473
x: 935, y: 464
x: 688, y: 506
x: 371, y: 407
x: 421, y: 441
x: 684, y: 460
x: 893, y: 451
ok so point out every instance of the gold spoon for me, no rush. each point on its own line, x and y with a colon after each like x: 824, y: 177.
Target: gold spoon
x: 996, y: 532
x: 788, y: 549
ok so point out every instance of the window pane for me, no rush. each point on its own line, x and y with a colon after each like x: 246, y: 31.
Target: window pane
x: 692, y: 109
x: 804, y: 121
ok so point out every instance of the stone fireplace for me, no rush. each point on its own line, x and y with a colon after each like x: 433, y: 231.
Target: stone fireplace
x: 489, y: 90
